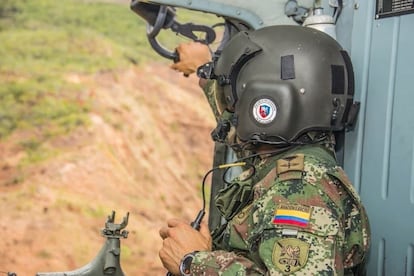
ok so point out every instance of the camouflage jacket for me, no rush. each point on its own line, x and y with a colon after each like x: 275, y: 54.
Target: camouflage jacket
x: 298, y: 214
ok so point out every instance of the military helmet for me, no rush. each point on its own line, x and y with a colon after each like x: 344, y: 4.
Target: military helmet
x: 283, y: 81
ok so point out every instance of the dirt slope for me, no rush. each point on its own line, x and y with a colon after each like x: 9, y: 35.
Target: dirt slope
x: 145, y: 152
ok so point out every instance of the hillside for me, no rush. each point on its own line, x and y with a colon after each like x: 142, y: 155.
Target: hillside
x: 145, y: 151
x: 92, y: 120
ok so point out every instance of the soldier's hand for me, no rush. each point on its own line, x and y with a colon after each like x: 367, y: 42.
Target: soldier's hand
x: 191, y: 55
x: 179, y: 239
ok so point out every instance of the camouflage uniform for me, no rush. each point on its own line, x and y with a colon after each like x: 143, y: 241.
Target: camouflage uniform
x: 297, y: 214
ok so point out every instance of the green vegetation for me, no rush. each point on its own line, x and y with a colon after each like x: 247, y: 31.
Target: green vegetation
x: 42, y: 41
x: 45, y: 42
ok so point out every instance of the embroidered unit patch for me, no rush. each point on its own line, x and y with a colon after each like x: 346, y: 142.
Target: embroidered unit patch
x: 290, y: 255
x: 293, y: 215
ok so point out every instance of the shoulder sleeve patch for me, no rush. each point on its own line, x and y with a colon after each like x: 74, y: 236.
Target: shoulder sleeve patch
x: 290, y: 255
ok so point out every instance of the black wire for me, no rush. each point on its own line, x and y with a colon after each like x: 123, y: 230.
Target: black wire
x: 229, y: 22
x: 285, y: 146
x: 203, y: 184
x: 219, y: 24
x: 245, y: 179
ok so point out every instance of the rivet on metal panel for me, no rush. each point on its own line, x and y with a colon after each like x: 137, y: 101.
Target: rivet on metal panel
x: 356, y: 5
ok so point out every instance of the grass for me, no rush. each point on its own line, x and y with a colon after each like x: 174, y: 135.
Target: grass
x: 44, y: 41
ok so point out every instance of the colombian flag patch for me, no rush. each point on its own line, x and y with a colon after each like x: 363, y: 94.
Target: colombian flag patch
x: 293, y: 215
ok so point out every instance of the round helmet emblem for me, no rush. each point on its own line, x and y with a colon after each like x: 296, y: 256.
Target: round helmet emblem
x: 264, y: 111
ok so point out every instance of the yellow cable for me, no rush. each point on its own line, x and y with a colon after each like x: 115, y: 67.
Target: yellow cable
x: 232, y: 165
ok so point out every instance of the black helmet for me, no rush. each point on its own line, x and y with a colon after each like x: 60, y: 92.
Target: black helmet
x: 283, y: 81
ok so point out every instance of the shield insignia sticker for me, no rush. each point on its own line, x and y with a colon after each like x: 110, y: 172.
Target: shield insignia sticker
x: 290, y: 255
x: 264, y: 111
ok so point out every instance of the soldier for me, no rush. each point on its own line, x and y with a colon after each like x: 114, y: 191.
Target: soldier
x: 285, y: 90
